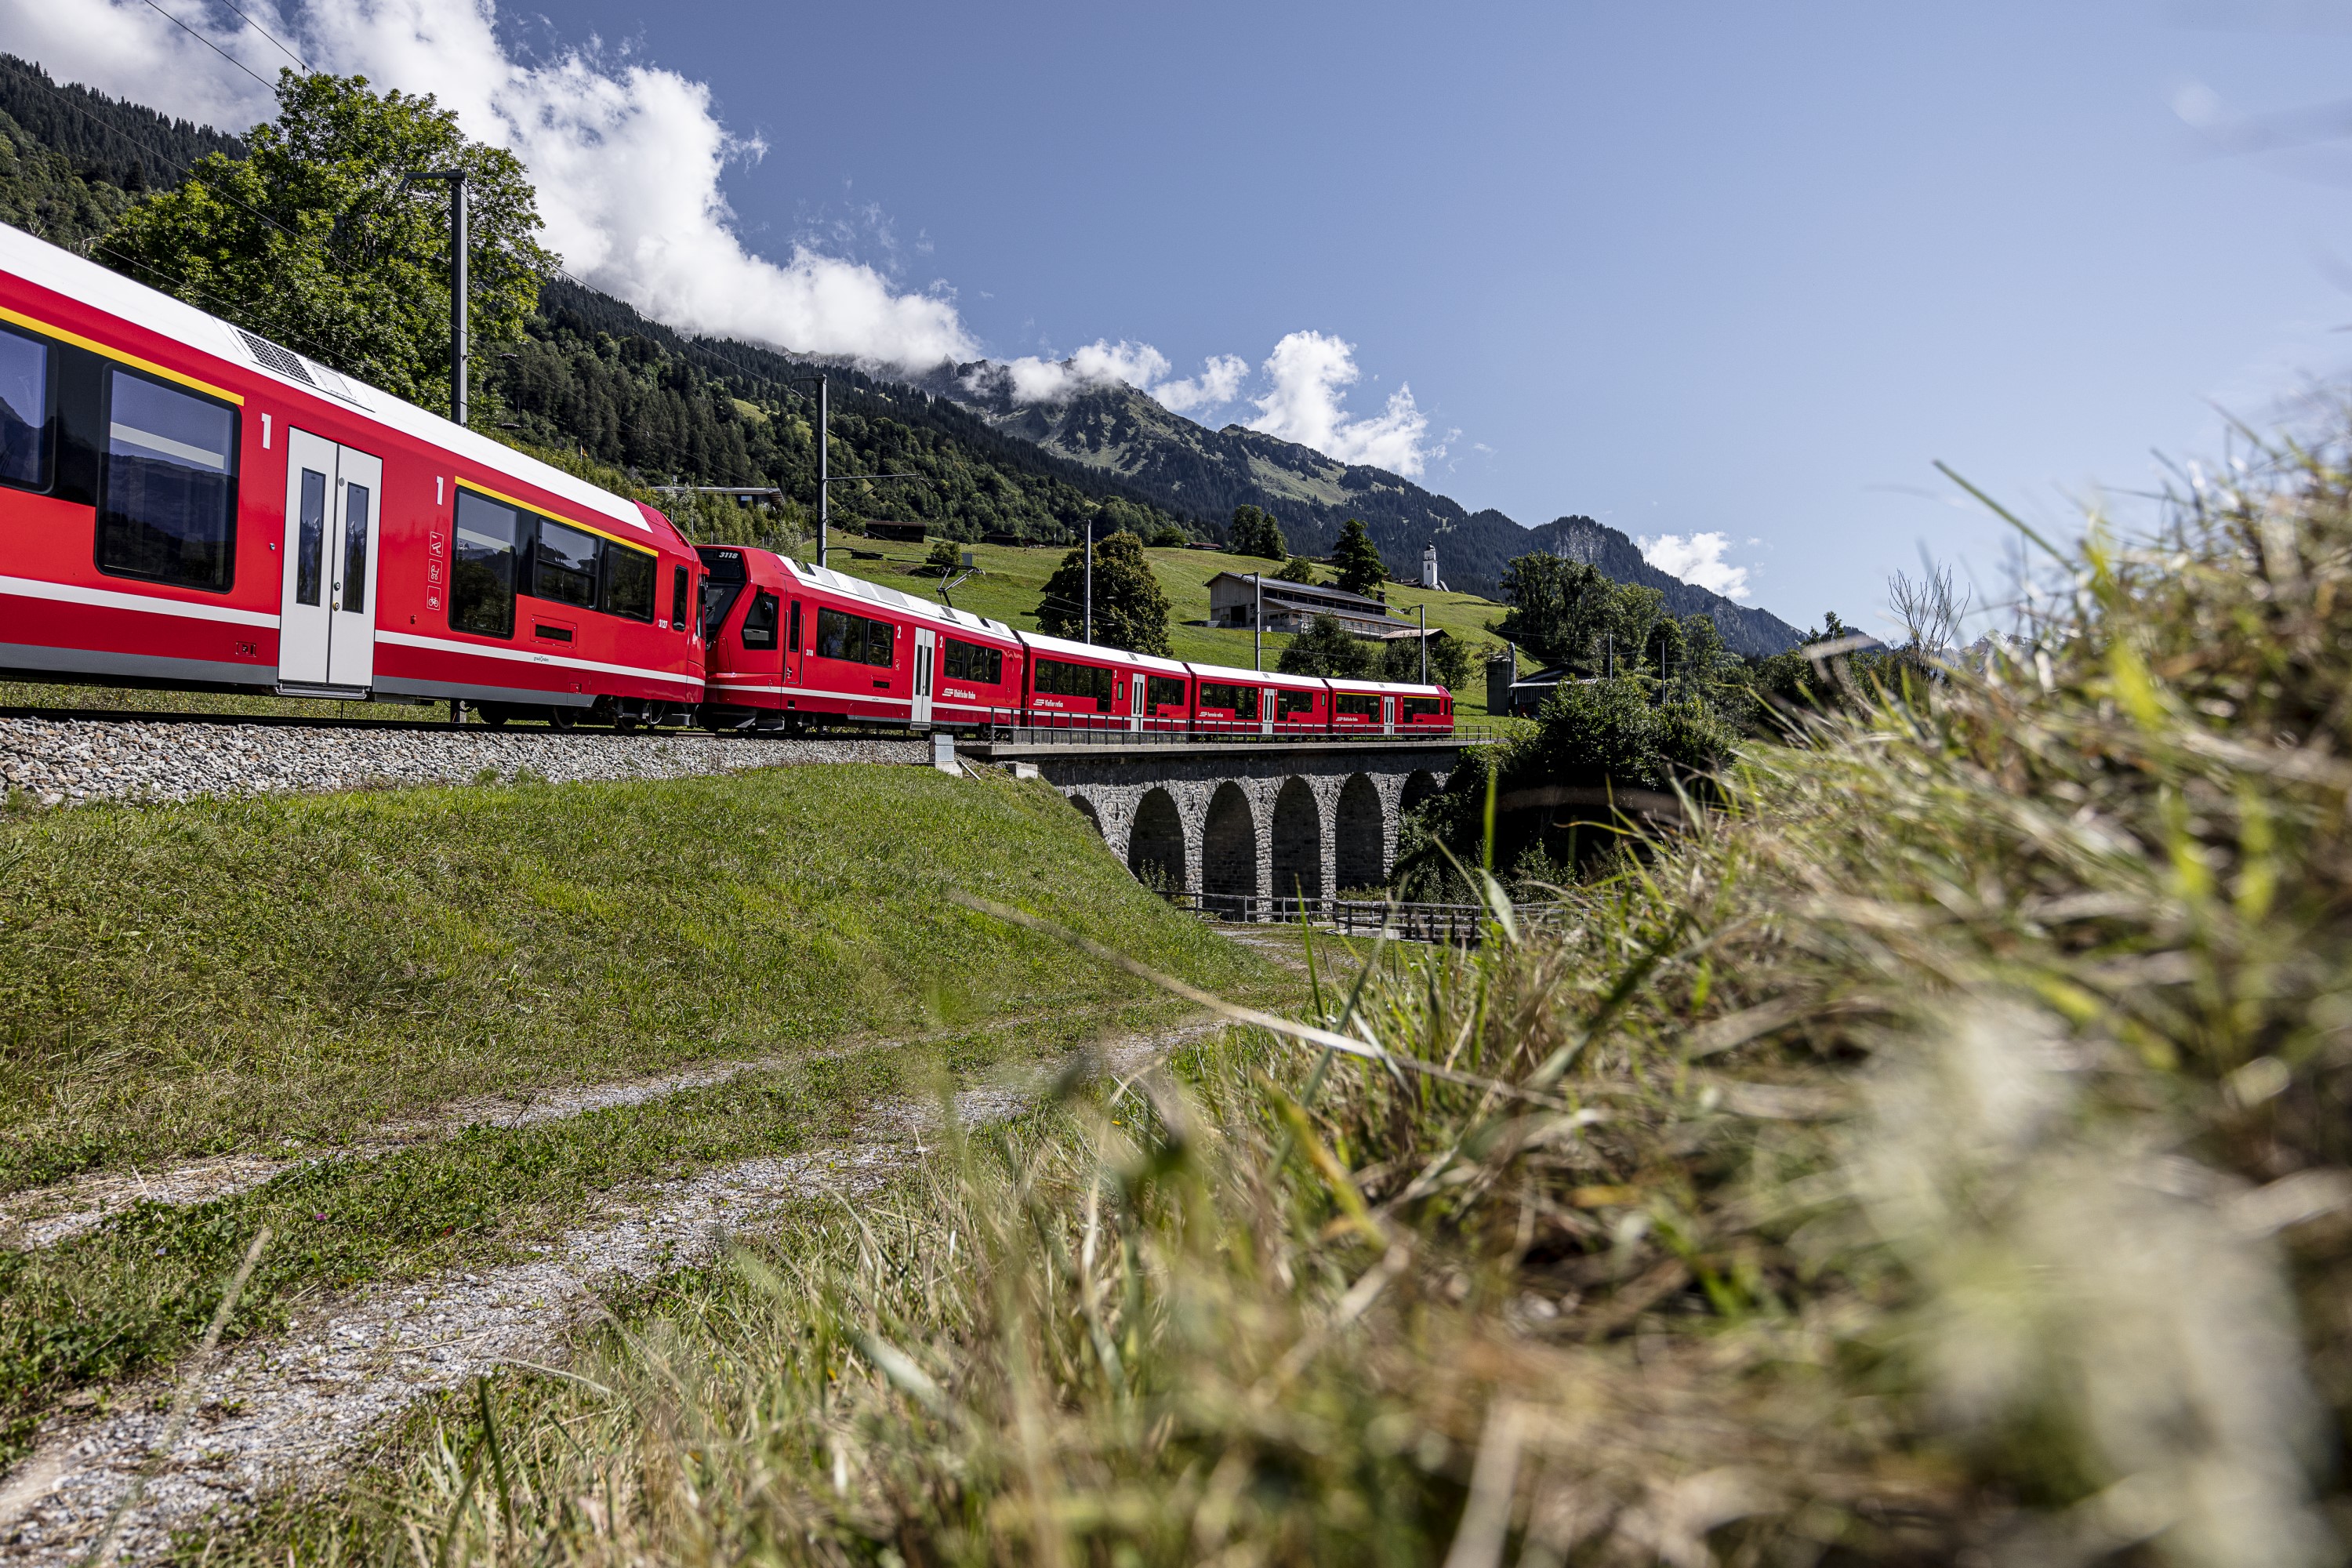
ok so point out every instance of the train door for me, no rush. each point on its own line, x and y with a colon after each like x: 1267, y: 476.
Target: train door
x: 1388, y: 715
x: 1266, y: 703
x: 1135, y: 708
x: 926, y: 655
x: 334, y: 516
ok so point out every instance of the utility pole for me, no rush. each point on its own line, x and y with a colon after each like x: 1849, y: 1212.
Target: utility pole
x: 1424, y: 643
x: 455, y: 180
x: 823, y: 483
x: 1258, y: 623
x: 825, y: 476
x: 1091, y: 582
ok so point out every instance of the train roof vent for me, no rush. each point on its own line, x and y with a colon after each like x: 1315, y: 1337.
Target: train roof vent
x: 294, y: 367
x: 269, y: 356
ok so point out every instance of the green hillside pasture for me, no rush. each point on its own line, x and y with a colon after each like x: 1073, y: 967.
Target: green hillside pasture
x: 268, y: 974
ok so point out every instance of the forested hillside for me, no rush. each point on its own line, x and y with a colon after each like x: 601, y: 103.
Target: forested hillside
x: 1185, y: 466
x: 597, y: 376
x: 71, y: 160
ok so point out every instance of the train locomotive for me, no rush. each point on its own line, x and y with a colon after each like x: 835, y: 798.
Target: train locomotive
x: 184, y: 504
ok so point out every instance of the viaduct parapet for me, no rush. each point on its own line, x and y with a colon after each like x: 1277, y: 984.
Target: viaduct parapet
x: 1313, y: 819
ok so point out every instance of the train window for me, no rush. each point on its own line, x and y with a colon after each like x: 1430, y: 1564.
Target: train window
x: 1163, y: 691
x: 167, y: 505
x: 310, y: 543
x: 629, y: 578
x: 840, y: 635
x: 355, y: 513
x: 565, y: 565
x: 1057, y: 678
x: 794, y: 640
x: 1241, y: 700
x: 1290, y: 704
x: 27, y: 411
x: 759, y: 622
x: 482, y: 578
x: 718, y: 602
x: 678, y: 584
x: 1356, y: 705
x: 1412, y: 710
x: 971, y: 661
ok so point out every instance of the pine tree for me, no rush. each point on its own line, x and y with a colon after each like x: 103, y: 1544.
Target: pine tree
x: 1359, y: 560
x: 1256, y: 532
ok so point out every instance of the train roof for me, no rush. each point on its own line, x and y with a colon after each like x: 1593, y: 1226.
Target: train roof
x: 1402, y: 689
x: 892, y: 599
x: 62, y: 273
x: 1246, y: 677
x: 1069, y: 650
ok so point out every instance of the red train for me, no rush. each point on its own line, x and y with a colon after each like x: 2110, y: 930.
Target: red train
x: 184, y: 504
x: 790, y: 642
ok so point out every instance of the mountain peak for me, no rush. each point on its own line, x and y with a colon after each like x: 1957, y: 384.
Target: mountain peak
x: 1205, y: 474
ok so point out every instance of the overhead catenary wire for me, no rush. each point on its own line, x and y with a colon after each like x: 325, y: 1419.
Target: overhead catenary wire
x: 210, y: 45
x: 266, y: 33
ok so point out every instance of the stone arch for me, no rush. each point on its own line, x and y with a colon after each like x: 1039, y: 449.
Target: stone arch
x: 1419, y: 786
x: 1087, y: 809
x: 1229, y: 845
x: 1155, y: 845
x: 1298, y: 845
x: 1360, y: 835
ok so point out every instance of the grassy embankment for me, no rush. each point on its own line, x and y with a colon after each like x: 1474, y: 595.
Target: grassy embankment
x: 1011, y: 581
x: 1939, y: 1154
x: 284, y: 976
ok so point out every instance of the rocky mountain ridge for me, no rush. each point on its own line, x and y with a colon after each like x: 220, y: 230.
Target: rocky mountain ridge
x: 1203, y: 473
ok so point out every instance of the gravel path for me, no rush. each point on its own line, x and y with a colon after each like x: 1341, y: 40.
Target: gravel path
x: 297, y: 1410
x: 68, y: 762
x: 43, y: 1216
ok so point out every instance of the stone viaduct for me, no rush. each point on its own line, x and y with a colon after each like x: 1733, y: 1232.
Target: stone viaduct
x: 1273, y: 820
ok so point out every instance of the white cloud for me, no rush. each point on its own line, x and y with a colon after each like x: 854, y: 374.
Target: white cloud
x: 1031, y: 379
x: 1309, y: 372
x: 628, y: 158
x: 1697, y: 559
x: 1218, y: 382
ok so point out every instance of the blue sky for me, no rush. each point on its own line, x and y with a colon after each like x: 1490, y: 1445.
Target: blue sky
x: 1705, y: 269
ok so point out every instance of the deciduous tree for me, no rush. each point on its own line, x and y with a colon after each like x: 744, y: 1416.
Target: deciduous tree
x: 1571, y: 612
x: 314, y: 239
x: 1130, y: 608
x: 1327, y: 648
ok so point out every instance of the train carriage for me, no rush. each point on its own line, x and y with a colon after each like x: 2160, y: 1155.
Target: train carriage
x: 790, y: 642
x: 1259, y: 701
x: 1084, y: 686
x: 1388, y: 708
x: 186, y: 504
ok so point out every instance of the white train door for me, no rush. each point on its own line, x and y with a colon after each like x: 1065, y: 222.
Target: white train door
x: 1388, y: 715
x: 334, y: 522
x: 926, y: 657
x: 1265, y: 711
x: 1135, y: 693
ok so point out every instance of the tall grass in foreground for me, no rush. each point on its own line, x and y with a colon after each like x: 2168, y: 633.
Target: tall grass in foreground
x: 1938, y: 1153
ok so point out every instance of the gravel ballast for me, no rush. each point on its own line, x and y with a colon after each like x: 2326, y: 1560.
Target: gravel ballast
x: 71, y: 762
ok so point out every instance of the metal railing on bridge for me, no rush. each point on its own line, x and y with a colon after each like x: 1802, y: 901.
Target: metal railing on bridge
x: 1462, y: 925
x: 1029, y: 728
